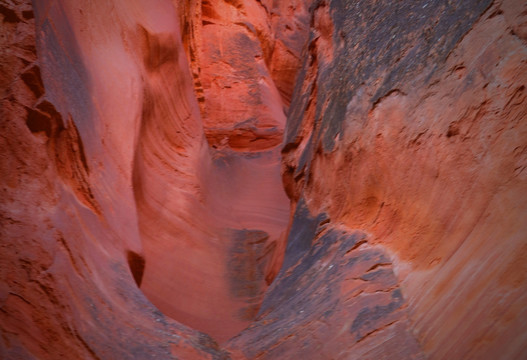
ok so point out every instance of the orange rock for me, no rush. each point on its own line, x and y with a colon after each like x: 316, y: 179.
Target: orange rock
x: 417, y: 137
x: 144, y: 177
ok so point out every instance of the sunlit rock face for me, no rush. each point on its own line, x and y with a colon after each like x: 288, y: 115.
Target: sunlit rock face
x: 287, y: 179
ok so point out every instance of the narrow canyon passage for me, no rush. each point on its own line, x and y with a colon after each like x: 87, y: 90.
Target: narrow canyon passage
x: 214, y: 243
x: 223, y: 254
x: 263, y: 179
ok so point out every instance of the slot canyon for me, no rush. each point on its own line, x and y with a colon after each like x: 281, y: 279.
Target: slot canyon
x: 263, y: 179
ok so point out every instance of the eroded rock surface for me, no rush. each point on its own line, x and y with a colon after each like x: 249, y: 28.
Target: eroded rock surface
x: 335, y: 297
x: 68, y: 216
x: 147, y: 150
x: 409, y: 122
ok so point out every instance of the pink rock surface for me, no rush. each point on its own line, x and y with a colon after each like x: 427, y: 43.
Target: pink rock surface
x: 146, y: 151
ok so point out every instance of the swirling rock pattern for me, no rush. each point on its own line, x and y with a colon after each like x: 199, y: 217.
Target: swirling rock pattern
x: 257, y: 179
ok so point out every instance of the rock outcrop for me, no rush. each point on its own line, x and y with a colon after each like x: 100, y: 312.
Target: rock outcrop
x: 255, y: 179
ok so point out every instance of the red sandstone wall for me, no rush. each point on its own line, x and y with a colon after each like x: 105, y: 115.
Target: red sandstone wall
x: 212, y: 220
x: 428, y: 157
x: 404, y: 159
x: 244, y: 58
x: 69, y: 149
x: 118, y: 119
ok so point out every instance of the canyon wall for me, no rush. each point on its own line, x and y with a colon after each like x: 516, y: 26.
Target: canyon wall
x: 73, y: 207
x: 408, y: 122
x: 303, y: 179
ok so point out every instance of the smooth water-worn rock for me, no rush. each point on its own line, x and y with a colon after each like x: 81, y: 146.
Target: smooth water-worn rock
x: 257, y: 179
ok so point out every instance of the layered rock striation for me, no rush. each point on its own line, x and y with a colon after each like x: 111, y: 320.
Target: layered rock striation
x: 304, y: 179
x: 408, y: 122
